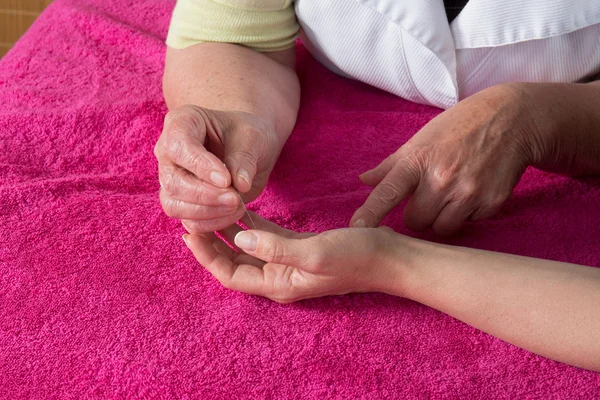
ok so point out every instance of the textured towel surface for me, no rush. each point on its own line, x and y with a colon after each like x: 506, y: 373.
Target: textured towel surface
x: 99, y: 298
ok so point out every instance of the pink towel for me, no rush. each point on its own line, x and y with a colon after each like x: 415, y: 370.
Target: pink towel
x: 99, y: 298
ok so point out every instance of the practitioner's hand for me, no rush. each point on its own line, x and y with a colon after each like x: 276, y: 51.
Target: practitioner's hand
x: 285, y: 266
x: 205, y: 158
x: 463, y: 165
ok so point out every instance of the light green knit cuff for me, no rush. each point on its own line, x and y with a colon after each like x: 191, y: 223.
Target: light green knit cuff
x: 199, y: 21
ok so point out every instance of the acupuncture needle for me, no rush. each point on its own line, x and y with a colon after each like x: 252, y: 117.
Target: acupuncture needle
x: 246, y: 209
x: 238, y: 193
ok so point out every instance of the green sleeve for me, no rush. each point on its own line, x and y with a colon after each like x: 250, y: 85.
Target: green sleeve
x: 262, y: 25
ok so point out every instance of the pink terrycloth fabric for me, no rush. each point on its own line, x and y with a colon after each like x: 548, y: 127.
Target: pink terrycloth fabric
x: 99, y: 298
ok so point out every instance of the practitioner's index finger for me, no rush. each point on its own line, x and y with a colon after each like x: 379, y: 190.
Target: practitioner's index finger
x: 196, y: 158
x: 398, y: 184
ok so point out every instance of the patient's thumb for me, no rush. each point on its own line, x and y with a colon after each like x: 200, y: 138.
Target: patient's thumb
x: 273, y: 248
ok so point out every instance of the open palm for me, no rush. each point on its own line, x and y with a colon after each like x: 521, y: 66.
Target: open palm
x: 288, y: 266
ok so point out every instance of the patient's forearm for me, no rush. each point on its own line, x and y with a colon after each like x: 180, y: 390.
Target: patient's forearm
x: 547, y: 307
x: 226, y: 77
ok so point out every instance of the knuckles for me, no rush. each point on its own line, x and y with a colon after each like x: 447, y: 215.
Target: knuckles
x: 193, y: 227
x: 468, y: 191
x: 388, y: 192
x: 173, y: 149
x: 178, y: 125
x: 275, y: 251
x: 169, y: 205
x: 316, y: 262
x: 495, y: 203
x: 441, y: 179
x: 169, y: 181
x: 158, y: 149
x: 185, y: 116
x: 244, y: 156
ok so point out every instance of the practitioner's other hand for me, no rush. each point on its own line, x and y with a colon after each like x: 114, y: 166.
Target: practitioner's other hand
x: 461, y: 166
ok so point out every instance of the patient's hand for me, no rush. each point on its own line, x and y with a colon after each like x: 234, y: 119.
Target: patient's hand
x: 205, y: 158
x: 285, y: 266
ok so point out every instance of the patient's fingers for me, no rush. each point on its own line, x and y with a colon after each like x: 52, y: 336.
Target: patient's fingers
x: 230, y: 250
x: 304, y: 254
x: 262, y: 224
x: 241, y: 277
x: 238, y: 257
x: 243, y: 258
x: 229, y: 233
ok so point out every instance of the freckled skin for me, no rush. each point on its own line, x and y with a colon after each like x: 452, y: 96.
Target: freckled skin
x: 237, y: 111
x: 465, y: 163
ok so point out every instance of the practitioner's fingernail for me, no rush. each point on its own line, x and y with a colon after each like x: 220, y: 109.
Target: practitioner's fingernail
x: 186, y: 239
x: 246, y: 241
x: 218, y: 179
x: 360, y: 223
x: 228, y: 199
x: 243, y: 174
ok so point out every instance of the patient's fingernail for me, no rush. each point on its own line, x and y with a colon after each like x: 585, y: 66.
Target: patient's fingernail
x: 246, y: 241
x: 359, y: 223
x: 229, y: 199
x: 218, y: 179
x: 186, y: 239
x: 243, y: 174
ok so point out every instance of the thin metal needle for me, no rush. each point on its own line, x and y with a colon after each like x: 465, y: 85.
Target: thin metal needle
x: 239, y: 194
x: 247, y: 212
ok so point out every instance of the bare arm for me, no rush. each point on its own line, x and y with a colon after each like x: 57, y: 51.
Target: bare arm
x: 228, y: 77
x: 231, y: 112
x: 547, y: 307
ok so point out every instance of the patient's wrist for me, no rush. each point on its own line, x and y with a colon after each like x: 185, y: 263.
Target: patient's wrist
x: 405, y: 262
